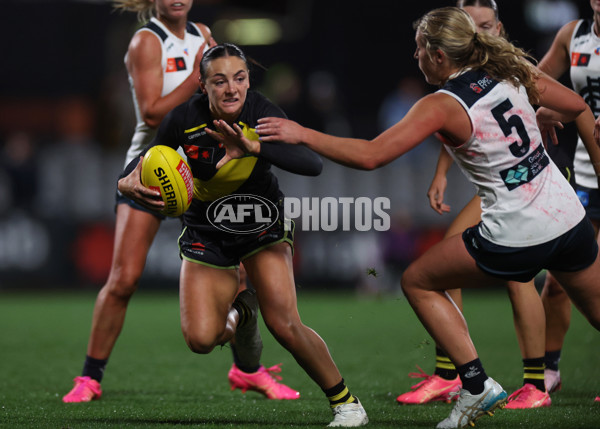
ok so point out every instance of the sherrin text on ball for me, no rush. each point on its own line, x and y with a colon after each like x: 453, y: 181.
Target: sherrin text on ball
x: 164, y: 170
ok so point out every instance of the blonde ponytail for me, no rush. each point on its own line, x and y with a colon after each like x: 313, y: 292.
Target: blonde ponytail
x: 453, y: 31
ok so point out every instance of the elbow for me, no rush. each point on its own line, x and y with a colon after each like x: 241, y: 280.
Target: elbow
x: 581, y: 106
x: 150, y: 118
x: 370, y: 163
x: 316, y: 168
x: 151, y: 121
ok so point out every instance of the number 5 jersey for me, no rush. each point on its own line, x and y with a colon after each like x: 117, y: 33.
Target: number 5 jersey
x: 524, y: 197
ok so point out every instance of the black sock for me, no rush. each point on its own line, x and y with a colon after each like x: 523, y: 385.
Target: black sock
x: 444, y: 366
x: 241, y: 366
x: 339, y: 394
x: 94, y: 368
x: 551, y: 359
x: 472, y: 376
x: 533, y: 373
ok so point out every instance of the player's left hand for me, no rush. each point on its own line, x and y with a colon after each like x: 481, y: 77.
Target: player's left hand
x: 236, y: 144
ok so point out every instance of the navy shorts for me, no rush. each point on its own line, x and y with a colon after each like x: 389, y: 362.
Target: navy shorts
x: 590, y: 199
x: 224, y: 250
x: 575, y: 250
x: 122, y: 199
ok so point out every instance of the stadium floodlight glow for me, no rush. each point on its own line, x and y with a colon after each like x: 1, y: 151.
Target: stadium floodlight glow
x: 249, y: 31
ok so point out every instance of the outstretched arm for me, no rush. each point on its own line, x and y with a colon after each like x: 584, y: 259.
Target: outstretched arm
x: 432, y: 113
x: 295, y: 159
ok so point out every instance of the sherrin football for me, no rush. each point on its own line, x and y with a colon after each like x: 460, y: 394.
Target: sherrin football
x: 164, y: 170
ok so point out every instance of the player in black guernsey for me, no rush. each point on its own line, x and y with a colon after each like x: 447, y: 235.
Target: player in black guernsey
x: 211, y: 251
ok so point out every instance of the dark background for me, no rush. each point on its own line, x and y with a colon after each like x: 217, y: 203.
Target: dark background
x: 66, y: 119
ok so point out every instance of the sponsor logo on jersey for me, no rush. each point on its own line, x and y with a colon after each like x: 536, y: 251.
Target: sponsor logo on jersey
x: 476, y: 88
x: 481, y: 84
x: 175, y: 64
x: 242, y: 213
x: 202, y: 154
x: 580, y: 60
x: 597, y: 50
x: 526, y: 170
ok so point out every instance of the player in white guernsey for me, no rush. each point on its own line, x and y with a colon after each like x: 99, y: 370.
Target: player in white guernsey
x: 528, y: 311
x: 576, y: 47
x: 162, y: 61
x: 532, y: 218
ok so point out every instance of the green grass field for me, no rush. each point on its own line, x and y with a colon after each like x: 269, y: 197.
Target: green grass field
x: 154, y: 381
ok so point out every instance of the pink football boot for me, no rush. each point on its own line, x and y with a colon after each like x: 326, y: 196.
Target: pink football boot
x: 528, y: 397
x: 433, y: 388
x: 85, y: 390
x: 262, y: 381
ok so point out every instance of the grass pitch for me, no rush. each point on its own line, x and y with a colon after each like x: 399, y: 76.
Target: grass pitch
x: 154, y: 381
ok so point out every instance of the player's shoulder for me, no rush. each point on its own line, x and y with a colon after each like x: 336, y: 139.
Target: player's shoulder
x: 143, y: 41
x: 471, y: 86
x: 575, y: 28
x: 199, y: 29
x: 205, y: 29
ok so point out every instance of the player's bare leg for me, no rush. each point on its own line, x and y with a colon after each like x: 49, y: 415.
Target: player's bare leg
x: 271, y: 273
x: 134, y: 232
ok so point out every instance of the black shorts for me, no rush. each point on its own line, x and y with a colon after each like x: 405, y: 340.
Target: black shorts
x: 122, y: 199
x: 590, y: 199
x: 224, y: 250
x: 573, y: 251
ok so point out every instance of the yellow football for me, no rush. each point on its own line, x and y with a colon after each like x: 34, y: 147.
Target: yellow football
x: 164, y: 170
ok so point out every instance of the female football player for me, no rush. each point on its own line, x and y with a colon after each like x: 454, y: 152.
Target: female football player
x: 577, y: 40
x: 528, y: 310
x: 531, y: 217
x: 211, y: 250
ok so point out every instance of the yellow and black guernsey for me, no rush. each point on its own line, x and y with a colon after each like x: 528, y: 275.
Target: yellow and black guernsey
x: 185, y: 127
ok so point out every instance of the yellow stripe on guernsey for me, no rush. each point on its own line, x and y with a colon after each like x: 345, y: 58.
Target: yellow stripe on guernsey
x: 229, y: 177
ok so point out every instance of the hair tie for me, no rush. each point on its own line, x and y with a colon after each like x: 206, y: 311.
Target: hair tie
x: 475, y: 37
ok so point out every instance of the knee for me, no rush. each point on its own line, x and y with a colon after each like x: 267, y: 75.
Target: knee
x: 409, y: 281
x: 201, y: 344
x: 122, y: 283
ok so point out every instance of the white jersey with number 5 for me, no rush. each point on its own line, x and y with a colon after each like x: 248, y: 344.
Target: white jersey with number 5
x: 524, y: 197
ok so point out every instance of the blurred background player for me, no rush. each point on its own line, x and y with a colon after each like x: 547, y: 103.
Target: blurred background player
x: 163, y: 65
x: 574, y: 49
